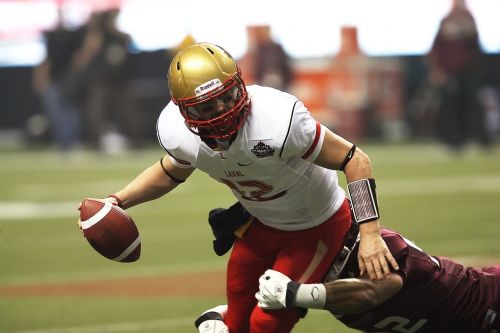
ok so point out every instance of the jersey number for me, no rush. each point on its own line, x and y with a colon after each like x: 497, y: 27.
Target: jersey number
x: 253, y: 190
x: 403, y: 324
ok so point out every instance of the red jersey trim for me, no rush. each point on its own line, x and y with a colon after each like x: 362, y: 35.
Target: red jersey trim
x: 315, y: 142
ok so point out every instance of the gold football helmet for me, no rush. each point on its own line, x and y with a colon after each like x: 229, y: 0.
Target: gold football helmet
x: 205, y: 82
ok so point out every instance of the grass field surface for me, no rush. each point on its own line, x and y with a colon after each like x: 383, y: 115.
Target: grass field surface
x: 50, y: 277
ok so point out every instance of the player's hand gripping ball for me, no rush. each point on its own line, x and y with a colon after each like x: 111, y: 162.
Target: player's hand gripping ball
x: 110, y: 230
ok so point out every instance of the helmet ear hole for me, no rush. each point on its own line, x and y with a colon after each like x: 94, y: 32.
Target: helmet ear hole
x: 178, y: 65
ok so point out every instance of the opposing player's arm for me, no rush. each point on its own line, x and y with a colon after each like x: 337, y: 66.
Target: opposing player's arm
x: 339, y: 154
x: 154, y: 182
x: 350, y: 296
x: 344, y: 296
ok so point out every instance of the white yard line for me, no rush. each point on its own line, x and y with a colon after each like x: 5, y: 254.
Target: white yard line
x: 15, y: 210
x: 440, y: 185
x: 27, y: 210
x: 135, y: 326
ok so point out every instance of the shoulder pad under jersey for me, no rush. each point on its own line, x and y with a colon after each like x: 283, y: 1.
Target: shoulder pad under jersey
x: 175, y: 138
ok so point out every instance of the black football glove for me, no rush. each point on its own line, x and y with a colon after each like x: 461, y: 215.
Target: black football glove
x: 224, y: 222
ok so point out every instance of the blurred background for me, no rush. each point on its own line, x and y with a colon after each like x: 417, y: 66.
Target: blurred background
x: 88, y: 73
x: 415, y: 83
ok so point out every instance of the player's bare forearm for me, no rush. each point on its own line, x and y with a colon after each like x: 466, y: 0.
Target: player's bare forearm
x: 359, y: 167
x: 351, y: 296
x: 342, y: 296
x: 374, y: 256
x: 152, y: 183
x: 333, y: 154
x: 333, y: 151
x: 337, y: 153
x: 369, y: 228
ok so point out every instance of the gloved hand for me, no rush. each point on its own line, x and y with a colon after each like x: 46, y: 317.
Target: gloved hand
x: 272, y: 290
x: 213, y: 326
x: 212, y: 320
x: 223, y: 223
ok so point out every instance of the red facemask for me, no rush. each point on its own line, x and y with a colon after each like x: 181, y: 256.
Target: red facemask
x: 218, y: 114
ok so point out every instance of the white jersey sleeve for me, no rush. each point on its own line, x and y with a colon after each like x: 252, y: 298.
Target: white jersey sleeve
x: 305, y: 135
x: 175, y: 138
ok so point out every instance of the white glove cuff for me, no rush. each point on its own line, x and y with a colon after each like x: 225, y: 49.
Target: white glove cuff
x: 312, y: 296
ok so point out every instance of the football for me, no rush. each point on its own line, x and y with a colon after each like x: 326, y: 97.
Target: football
x: 110, y: 230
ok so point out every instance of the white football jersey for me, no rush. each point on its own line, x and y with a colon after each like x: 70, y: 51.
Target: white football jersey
x: 269, y: 165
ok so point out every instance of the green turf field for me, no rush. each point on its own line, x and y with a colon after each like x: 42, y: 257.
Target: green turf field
x: 447, y: 204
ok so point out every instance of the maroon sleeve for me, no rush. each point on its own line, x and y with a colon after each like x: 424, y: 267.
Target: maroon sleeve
x: 438, y: 295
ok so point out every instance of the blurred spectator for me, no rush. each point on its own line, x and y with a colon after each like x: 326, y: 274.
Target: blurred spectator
x: 348, y: 97
x: 59, y: 83
x: 147, y: 88
x: 272, y: 66
x: 112, y: 121
x: 455, y: 71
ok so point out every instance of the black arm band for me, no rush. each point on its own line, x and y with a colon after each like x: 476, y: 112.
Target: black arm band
x: 363, y: 199
x: 348, y: 157
x: 212, y: 315
x: 177, y: 180
x: 291, y: 293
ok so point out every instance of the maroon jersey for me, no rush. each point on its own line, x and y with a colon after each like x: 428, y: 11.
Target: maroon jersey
x: 438, y: 295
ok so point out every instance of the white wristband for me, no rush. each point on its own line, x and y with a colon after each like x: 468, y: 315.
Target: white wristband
x: 311, y: 296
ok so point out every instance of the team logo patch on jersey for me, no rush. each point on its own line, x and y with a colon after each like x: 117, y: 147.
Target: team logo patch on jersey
x: 262, y: 150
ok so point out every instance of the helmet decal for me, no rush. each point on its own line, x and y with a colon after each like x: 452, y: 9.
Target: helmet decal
x: 207, y: 87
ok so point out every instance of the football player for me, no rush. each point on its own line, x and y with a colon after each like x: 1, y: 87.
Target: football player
x: 280, y: 164
x: 427, y: 294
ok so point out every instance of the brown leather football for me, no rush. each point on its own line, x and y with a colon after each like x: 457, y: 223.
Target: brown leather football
x: 110, y: 230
